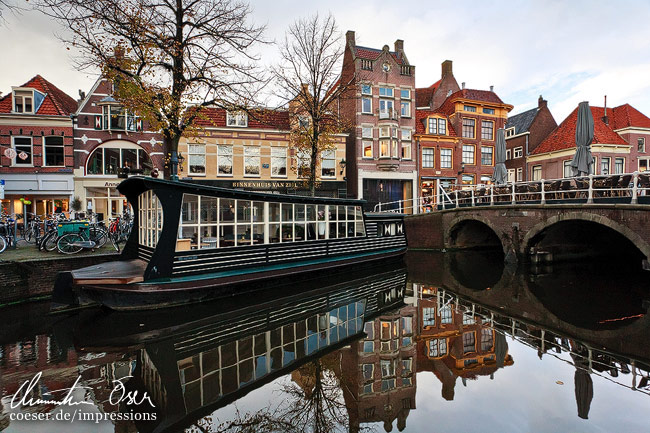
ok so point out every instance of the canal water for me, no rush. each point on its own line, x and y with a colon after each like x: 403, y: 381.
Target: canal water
x: 444, y: 343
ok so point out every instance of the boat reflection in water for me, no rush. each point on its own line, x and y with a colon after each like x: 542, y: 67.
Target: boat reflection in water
x: 209, y: 362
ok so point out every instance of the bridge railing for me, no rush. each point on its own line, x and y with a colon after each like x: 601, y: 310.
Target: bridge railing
x: 617, y: 188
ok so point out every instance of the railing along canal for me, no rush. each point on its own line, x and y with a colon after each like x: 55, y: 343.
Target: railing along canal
x: 626, y: 188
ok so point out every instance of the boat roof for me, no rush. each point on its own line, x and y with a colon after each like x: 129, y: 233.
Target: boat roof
x: 140, y: 184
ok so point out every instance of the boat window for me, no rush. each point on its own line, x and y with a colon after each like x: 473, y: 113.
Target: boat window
x: 150, y: 219
x: 211, y: 222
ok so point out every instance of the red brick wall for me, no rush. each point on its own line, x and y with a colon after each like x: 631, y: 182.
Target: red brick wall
x: 37, y: 133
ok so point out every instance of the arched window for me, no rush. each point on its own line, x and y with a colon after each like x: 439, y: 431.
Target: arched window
x: 109, y: 158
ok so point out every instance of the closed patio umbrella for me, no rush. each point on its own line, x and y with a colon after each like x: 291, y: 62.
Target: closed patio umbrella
x: 582, y: 161
x: 500, y: 176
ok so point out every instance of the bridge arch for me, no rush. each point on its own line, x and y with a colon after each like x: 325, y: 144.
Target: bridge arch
x: 621, y: 229
x: 473, y: 231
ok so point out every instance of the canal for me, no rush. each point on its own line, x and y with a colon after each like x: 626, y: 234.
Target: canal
x: 442, y: 342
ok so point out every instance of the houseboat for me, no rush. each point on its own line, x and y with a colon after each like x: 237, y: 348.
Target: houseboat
x: 192, y: 242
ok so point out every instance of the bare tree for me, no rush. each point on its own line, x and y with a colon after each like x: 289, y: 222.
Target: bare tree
x: 308, y: 80
x: 167, y: 55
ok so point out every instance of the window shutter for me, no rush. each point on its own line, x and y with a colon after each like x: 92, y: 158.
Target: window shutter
x: 98, y: 122
x: 138, y: 125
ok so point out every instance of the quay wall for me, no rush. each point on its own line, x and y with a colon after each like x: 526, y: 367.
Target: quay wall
x: 34, y: 279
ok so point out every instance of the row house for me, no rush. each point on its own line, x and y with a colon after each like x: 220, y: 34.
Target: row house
x: 381, y: 162
x: 453, y: 342
x: 456, y: 139
x: 110, y: 142
x: 252, y: 151
x: 380, y: 383
x: 524, y: 132
x: 36, y: 144
x: 618, y: 146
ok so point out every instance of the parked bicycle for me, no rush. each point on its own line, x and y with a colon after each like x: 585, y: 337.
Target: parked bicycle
x: 32, y: 229
x: 76, y: 236
x: 7, y: 231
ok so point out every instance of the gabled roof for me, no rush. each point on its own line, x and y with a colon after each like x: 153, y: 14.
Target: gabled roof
x: 522, y: 121
x: 56, y: 102
x: 264, y: 118
x: 625, y: 116
x: 423, y: 95
x: 421, y: 118
x: 471, y: 94
x: 373, y: 54
x: 563, y: 137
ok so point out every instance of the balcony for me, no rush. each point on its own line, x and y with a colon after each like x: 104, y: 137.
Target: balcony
x: 388, y: 114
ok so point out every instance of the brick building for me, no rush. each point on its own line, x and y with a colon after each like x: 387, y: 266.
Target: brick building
x: 110, y: 142
x: 618, y: 146
x: 381, y: 162
x: 524, y: 132
x: 252, y: 151
x: 36, y: 142
x: 456, y: 138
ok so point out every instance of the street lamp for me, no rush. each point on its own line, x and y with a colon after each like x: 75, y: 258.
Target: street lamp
x: 342, y: 164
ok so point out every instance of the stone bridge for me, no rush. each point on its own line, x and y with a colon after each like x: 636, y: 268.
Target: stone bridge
x: 536, y: 232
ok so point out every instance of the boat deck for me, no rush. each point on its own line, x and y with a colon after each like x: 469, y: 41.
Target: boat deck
x: 118, y: 272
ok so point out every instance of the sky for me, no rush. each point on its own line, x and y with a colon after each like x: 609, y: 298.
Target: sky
x: 567, y: 51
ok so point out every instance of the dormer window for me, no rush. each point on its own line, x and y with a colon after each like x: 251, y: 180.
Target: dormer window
x: 27, y: 101
x: 237, y: 118
x: 437, y: 126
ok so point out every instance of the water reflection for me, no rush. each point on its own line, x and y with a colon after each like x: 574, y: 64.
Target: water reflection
x: 350, y: 354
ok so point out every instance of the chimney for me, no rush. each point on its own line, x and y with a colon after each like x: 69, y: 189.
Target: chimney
x: 491, y: 88
x: 349, y: 38
x: 446, y: 68
x: 462, y: 85
x: 399, y: 46
x: 605, y: 119
x: 541, y: 102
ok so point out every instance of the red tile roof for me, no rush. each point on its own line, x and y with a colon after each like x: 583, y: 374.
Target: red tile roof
x: 423, y: 95
x: 625, y: 116
x: 420, y: 119
x: 448, y: 106
x: 373, y: 54
x: 257, y: 119
x: 56, y: 102
x: 563, y: 137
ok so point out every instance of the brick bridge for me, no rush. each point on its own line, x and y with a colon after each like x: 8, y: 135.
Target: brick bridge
x: 536, y: 231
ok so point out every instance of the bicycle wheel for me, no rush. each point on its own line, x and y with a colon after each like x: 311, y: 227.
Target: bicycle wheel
x: 65, y: 243
x: 3, y: 244
x: 49, y: 242
x: 30, y: 236
x: 99, y: 236
x: 114, y: 241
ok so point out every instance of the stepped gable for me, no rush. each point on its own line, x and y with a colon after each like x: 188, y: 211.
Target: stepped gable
x: 563, y: 137
x: 56, y: 102
x: 373, y: 54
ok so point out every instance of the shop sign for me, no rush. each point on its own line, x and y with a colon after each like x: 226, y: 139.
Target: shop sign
x: 264, y: 184
x: 111, y: 184
x: 10, y: 153
x: 23, y: 155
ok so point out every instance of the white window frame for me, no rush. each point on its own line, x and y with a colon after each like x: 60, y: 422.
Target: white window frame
x: 252, y: 153
x: 511, y: 175
x: 489, y: 110
x: 536, y: 172
x: 14, y: 161
x: 430, y: 151
x: 367, y: 144
x: 520, y: 174
x: 366, y: 132
x: 407, y: 105
x: 406, y: 137
x: 609, y: 164
x: 408, y: 94
x: 328, y: 155
x: 566, y: 168
x: 278, y: 153
x: 466, y: 149
x: 107, y: 116
x: 45, y: 145
x: 369, y: 99
x: 222, y: 152
x: 386, y: 112
x: 451, y: 157
x: 386, y: 92
x: 22, y: 105
x: 238, y: 119
x: 640, y: 144
x: 517, y: 152
x: 491, y: 155
x: 510, y: 132
x: 365, y: 87
x: 468, y: 119
x: 647, y: 163
x: 616, y: 160
x: 192, y: 152
x: 483, y: 122
x: 469, y: 108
